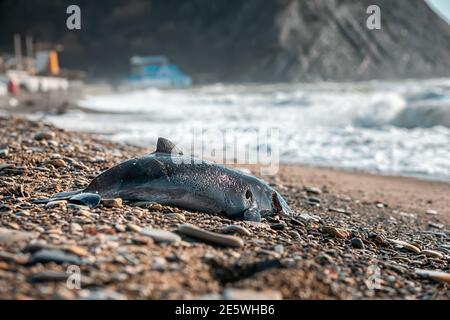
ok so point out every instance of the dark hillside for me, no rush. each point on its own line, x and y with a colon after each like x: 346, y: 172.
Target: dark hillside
x: 251, y: 40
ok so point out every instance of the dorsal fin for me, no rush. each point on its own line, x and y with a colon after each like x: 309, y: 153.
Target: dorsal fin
x: 166, y: 146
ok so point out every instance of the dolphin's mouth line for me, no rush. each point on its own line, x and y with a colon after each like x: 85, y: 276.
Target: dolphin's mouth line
x: 276, y: 203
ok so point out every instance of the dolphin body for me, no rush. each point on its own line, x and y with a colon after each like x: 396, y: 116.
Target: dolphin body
x: 169, y: 178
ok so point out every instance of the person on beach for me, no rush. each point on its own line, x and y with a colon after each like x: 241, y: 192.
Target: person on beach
x: 13, y: 87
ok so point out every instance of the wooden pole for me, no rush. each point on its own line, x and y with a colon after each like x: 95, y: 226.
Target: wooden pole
x: 30, y: 46
x: 18, y: 50
x: 30, y: 52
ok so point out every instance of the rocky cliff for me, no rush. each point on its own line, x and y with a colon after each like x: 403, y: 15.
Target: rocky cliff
x: 234, y: 40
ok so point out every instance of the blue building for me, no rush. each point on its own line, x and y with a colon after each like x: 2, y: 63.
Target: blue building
x: 156, y: 71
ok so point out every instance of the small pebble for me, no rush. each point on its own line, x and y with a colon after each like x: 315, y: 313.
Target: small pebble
x: 305, y: 218
x: 339, y: 210
x: 134, y: 227
x: 58, y: 163
x: 296, y: 222
x: 56, y: 276
x: 4, y: 153
x: 210, y: 237
x: 75, y: 228
x: 295, y: 235
x: 279, y: 249
x: 336, y: 232
x: 434, y: 275
x: 436, y: 225
x: 357, y: 243
x: 102, y: 294
x: 57, y: 256
x: 112, y: 203
x: 8, y: 236
x: 159, y: 264
x: 56, y: 204
x: 314, y: 200
x: 47, y: 135
x: 377, y: 238
x: 278, y: 226
x: 313, y: 190
x: 79, y: 251
x: 120, y: 227
x: 433, y: 254
x: 405, y: 245
x: 235, y: 229
x: 160, y: 235
x: 247, y: 294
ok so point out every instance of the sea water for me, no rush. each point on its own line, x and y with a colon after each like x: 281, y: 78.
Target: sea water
x: 393, y: 128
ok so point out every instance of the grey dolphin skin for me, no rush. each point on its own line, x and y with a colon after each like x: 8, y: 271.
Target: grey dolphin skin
x: 169, y: 178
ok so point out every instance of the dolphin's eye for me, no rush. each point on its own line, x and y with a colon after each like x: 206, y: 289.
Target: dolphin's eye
x: 248, y: 194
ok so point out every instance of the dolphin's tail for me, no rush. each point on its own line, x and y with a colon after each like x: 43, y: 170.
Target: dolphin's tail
x: 59, y: 196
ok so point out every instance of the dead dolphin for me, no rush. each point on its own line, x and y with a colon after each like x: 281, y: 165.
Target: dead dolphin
x: 169, y: 178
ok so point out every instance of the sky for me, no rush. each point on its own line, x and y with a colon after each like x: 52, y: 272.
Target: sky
x: 442, y: 7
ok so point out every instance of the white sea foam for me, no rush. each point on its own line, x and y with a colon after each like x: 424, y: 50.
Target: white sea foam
x: 389, y: 127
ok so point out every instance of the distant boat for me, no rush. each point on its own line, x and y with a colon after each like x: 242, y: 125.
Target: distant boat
x: 156, y: 72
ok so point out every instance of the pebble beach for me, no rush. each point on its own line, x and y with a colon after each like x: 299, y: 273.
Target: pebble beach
x: 352, y: 236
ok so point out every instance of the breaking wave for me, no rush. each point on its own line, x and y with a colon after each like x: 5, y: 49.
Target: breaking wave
x: 388, y: 127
